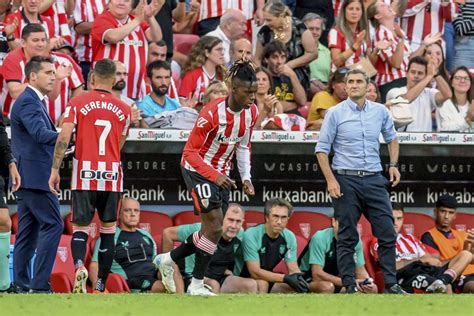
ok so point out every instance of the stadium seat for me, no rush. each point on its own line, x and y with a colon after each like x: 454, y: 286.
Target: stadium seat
x: 14, y: 219
x: 116, y: 284
x: 157, y: 239
x: 184, y: 42
x: 63, y: 266
x: 306, y: 224
x: 363, y: 227
x: 253, y: 218
x: 95, y: 225
x: 416, y: 224
x: 185, y: 217
x: 370, y: 264
x: 154, y: 222
x: 301, y: 243
x: 464, y: 221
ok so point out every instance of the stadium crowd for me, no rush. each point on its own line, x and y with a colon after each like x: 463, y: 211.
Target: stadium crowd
x: 415, y: 51
x: 172, y: 57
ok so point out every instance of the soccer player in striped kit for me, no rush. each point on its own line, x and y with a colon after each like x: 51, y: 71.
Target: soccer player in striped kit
x: 102, y: 122
x: 223, y: 127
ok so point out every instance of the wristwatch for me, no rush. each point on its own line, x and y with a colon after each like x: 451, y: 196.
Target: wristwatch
x: 393, y: 164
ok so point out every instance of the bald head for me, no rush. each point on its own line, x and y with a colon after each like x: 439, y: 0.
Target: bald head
x: 233, y: 23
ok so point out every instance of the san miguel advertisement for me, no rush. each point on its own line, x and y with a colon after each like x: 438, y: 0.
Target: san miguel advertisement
x: 155, y: 179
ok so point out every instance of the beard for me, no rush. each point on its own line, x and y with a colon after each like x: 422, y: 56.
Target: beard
x: 119, y: 85
x: 160, y: 90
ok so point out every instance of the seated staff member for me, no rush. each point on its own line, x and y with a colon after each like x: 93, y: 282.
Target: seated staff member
x: 265, y: 245
x: 226, y: 263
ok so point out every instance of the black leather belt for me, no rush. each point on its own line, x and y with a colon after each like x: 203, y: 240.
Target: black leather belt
x: 358, y: 173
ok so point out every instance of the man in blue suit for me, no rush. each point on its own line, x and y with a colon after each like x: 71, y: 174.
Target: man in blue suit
x: 33, y: 138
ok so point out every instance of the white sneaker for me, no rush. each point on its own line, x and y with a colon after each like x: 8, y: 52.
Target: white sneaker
x: 200, y: 290
x: 80, y: 281
x: 166, y: 271
x: 436, y: 287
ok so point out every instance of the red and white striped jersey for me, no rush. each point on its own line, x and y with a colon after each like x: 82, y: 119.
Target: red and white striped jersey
x: 217, y: 135
x: 195, y: 82
x: 215, y: 8
x: 86, y: 11
x: 336, y: 5
x: 132, y: 51
x: 57, y: 14
x: 57, y: 106
x: 385, y: 72
x: 13, y: 70
x: 422, y: 18
x: 408, y: 247
x: 23, y: 21
x: 101, y: 120
x: 336, y: 39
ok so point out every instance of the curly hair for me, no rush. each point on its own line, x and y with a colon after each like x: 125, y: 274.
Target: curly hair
x: 197, y: 57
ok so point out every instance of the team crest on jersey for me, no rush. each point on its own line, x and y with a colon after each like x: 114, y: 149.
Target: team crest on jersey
x: 205, y: 202
x: 282, y: 249
x: 201, y: 122
x: 62, y: 253
x: 305, y: 229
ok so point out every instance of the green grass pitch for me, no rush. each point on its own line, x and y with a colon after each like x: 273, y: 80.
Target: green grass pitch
x: 291, y: 304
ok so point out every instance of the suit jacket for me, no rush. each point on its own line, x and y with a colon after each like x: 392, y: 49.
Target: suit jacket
x: 33, y: 140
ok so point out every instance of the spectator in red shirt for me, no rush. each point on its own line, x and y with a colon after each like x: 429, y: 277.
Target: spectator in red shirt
x: 29, y: 13
x: 119, y: 36
x: 205, y: 64
x: 68, y: 83
x: 348, y: 39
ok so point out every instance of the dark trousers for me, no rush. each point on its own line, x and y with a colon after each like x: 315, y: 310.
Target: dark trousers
x: 369, y: 196
x: 39, y: 227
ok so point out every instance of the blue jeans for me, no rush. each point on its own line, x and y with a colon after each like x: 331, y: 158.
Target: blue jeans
x: 464, y: 48
x: 449, y: 38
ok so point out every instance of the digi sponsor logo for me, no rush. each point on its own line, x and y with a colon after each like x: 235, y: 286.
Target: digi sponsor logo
x: 99, y: 175
x: 153, y: 135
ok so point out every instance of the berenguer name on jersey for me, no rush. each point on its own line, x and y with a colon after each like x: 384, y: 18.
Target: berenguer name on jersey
x: 103, y: 105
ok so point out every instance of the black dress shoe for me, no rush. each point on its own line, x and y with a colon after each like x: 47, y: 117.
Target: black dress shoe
x: 395, y: 289
x: 14, y: 289
x: 40, y: 291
